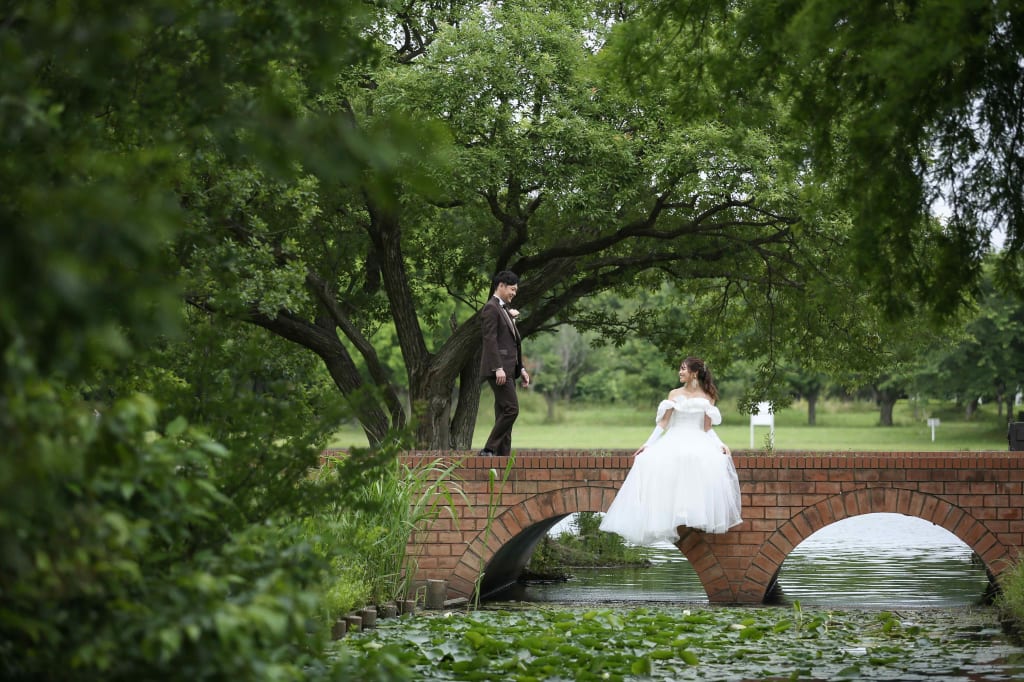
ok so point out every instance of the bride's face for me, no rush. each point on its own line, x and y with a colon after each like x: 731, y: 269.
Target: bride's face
x: 685, y: 375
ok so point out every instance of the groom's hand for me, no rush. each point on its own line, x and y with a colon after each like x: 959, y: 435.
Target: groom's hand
x: 526, y: 378
x: 499, y: 377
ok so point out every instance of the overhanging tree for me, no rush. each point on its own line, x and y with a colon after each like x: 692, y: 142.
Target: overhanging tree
x: 984, y: 360
x: 909, y: 109
x: 544, y: 164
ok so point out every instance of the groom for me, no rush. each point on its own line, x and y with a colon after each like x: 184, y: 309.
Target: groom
x: 501, y: 362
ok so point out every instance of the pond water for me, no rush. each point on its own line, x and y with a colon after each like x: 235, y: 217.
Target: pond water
x: 850, y: 575
x: 874, y: 560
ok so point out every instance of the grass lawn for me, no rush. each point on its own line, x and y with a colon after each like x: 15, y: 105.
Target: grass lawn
x: 840, y: 426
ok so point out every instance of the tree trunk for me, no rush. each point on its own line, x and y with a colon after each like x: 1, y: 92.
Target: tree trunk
x: 433, y: 420
x: 374, y: 420
x: 433, y: 391
x: 885, y: 412
x: 970, y: 408
x: 812, y: 408
x: 886, y: 402
x: 468, y: 404
x: 550, y: 399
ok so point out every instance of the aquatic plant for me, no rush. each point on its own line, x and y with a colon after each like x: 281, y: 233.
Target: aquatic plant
x: 366, y: 539
x: 1011, y: 597
x: 666, y: 643
x: 494, y: 493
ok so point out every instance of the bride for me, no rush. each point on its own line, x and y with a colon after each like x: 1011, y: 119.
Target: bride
x: 683, y: 475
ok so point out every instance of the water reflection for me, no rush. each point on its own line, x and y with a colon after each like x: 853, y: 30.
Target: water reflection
x: 873, y: 560
x: 883, y: 560
x: 670, y: 579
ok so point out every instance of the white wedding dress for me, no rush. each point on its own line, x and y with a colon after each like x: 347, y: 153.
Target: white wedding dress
x: 681, y: 479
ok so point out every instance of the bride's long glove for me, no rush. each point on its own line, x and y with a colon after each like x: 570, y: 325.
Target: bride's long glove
x: 725, y: 448
x: 655, y: 435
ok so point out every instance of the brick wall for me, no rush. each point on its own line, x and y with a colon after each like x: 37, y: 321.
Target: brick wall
x: 978, y: 496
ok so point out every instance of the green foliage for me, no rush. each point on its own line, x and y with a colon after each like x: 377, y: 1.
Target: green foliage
x: 121, y: 561
x: 1011, y: 595
x: 133, y: 543
x: 984, y: 360
x: 587, y: 546
x: 143, y: 495
x: 101, y: 106
x: 900, y: 105
x: 364, y: 537
x: 557, y: 363
x: 526, y: 152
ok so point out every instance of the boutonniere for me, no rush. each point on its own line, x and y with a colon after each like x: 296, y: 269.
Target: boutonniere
x: 513, y: 313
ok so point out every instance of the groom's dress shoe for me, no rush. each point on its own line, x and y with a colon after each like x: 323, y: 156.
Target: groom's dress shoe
x: 486, y: 453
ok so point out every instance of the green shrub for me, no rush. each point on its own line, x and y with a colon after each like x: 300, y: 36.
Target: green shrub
x: 364, y: 538
x: 122, y: 566
x: 1011, y: 598
x: 588, y: 546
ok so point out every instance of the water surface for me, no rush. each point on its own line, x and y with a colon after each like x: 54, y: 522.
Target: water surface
x: 873, y: 560
x: 851, y: 576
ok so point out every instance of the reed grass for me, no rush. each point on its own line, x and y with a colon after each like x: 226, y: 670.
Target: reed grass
x: 365, y: 541
x: 1011, y: 596
x: 494, y: 495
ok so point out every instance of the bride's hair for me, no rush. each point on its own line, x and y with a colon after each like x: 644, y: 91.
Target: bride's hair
x: 704, y: 378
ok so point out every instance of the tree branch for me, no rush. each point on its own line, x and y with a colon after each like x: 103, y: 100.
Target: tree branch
x: 386, y: 235
x: 365, y: 348
x: 324, y: 342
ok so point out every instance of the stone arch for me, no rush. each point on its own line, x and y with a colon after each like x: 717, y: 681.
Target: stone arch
x: 503, y: 550
x: 764, y: 569
x: 702, y: 557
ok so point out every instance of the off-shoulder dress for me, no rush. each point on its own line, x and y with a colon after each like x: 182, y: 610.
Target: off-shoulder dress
x: 681, y: 479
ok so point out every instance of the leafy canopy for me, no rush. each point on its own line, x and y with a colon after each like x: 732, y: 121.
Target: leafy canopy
x: 905, y: 108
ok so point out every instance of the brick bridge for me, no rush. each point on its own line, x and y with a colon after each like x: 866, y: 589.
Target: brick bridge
x: 787, y: 496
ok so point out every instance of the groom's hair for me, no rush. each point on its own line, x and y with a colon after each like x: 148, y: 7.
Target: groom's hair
x: 505, y: 277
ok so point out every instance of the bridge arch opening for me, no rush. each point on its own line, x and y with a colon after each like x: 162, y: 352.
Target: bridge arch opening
x: 882, y: 559
x: 511, y: 559
x: 668, y: 578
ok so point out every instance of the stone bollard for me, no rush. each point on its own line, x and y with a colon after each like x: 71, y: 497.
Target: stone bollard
x: 389, y: 610
x: 339, y: 629
x: 369, y: 616
x: 437, y: 592
x: 355, y: 623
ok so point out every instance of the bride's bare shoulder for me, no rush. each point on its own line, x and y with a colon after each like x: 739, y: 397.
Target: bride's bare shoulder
x: 683, y: 393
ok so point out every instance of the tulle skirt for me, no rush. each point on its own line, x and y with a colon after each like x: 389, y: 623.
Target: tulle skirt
x: 682, y: 479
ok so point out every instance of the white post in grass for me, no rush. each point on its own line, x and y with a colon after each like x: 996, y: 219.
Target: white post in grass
x: 763, y: 417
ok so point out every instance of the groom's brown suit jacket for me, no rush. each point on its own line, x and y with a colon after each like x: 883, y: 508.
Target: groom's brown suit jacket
x: 502, y: 346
